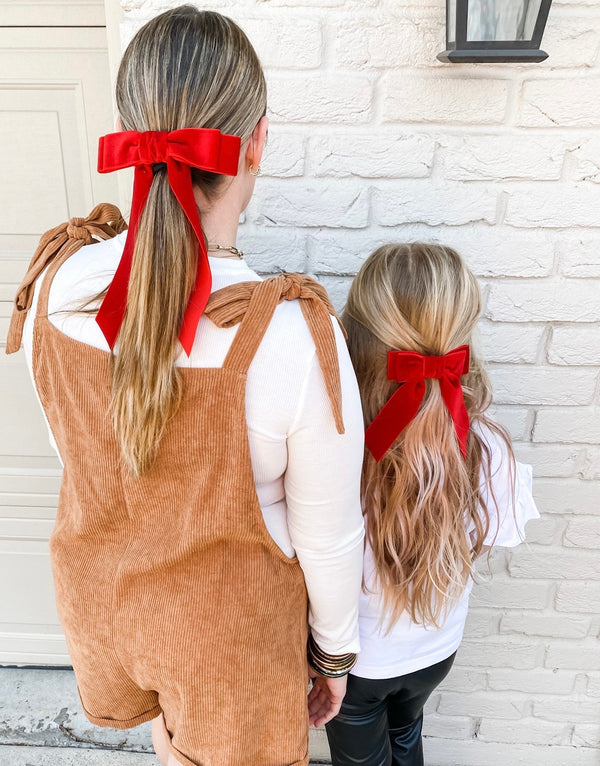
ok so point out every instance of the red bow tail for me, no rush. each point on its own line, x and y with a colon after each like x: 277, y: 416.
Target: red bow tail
x: 180, y: 179
x: 454, y: 399
x: 393, y: 417
x: 111, y: 312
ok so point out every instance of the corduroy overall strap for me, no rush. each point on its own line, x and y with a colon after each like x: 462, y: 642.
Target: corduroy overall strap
x: 253, y: 304
x: 105, y: 221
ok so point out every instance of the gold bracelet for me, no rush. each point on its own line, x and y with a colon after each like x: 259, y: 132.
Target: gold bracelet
x: 329, y: 665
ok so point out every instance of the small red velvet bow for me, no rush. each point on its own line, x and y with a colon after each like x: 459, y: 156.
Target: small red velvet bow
x: 181, y: 150
x: 411, y: 369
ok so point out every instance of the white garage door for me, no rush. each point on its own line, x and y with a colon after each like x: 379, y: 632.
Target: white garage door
x: 55, y: 101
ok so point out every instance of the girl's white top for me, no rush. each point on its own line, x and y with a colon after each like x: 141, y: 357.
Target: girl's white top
x: 307, y: 475
x: 408, y: 646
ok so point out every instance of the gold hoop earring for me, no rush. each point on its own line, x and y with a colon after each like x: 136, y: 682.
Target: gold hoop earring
x: 252, y: 171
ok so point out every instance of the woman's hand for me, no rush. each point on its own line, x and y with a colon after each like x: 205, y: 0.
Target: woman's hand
x: 325, y: 697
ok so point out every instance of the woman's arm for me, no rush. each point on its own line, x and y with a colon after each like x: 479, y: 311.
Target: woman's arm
x: 322, y: 487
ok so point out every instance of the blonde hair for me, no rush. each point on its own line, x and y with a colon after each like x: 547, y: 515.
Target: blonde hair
x: 183, y: 69
x: 421, y: 497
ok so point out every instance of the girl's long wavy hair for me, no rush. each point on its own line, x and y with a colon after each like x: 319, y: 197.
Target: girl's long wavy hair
x: 183, y: 69
x: 422, y: 496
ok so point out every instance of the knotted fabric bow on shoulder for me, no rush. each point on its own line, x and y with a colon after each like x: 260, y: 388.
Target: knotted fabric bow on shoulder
x: 411, y: 369
x: 181, y: 150
x: 105, y: 221
x: 228, y: 306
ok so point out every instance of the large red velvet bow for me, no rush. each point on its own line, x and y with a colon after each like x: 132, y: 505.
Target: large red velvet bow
x: 181, y: 150
x: 411, y: 369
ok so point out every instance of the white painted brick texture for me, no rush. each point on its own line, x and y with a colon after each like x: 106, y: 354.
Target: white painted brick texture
x: 373, y: 140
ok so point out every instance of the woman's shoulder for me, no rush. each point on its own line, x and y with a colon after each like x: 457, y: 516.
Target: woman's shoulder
x: 295, y: 324
x: 85, y: 273
x: 288, y: 340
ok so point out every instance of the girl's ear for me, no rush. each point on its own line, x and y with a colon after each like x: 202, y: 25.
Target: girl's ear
x: 256, y: 144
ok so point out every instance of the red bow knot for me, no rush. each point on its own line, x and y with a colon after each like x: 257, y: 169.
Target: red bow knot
x: 434, y: 367
x: 181, y: 150
x: 153, y: 146
x: 411, y: 369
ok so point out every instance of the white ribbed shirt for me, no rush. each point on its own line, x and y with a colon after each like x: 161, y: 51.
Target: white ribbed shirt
x: 307, y: 475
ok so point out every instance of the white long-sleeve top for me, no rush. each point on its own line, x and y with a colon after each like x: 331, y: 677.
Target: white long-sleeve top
x: 307, y: 475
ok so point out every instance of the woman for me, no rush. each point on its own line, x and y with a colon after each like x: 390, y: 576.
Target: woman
x: 211, y: 472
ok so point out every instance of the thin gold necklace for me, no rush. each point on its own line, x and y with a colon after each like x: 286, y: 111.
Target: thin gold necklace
x: 235, y: 253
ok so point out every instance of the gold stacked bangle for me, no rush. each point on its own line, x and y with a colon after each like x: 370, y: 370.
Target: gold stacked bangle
x: 329, y: 665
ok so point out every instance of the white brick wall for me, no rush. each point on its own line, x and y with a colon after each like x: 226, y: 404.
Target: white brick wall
x: 373, y: 140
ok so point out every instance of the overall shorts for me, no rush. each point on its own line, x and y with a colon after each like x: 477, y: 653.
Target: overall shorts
x: 171, y: 592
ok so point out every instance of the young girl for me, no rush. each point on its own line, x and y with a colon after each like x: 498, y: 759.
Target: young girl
x: 440, y: 486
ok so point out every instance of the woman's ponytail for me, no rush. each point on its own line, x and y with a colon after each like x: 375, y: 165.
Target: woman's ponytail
x: 146, y: 387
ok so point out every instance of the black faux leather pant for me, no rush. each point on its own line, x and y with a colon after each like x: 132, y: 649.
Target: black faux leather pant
x: 380, y: 721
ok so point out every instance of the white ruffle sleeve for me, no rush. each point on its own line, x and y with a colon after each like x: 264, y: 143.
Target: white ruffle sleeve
x: 508, y: 497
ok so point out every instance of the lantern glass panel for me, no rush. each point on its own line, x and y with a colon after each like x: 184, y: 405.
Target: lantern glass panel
x: 451, y: 21
x: 502, y: 19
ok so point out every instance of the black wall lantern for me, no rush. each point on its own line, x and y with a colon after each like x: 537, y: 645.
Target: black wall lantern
x: 495, y: 30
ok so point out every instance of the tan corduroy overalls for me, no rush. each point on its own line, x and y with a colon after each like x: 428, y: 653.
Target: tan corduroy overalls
x: 172, y: 594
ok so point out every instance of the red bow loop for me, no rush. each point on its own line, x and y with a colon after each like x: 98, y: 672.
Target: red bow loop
x: 202, y: 148
x: 411, y: 369
x: 404, y: 366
